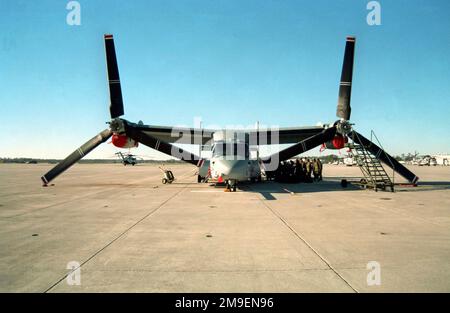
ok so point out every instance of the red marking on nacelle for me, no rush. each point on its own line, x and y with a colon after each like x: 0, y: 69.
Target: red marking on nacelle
x: 339, y: 142
x: 122, y: 141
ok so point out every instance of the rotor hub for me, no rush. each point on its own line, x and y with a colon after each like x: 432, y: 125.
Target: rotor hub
x: 117, y: 125
x: 343, y: 127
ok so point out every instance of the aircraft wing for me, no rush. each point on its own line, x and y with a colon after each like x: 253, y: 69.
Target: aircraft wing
x: 186, y: 135
x: 174, y: 134
x: 285, y: 135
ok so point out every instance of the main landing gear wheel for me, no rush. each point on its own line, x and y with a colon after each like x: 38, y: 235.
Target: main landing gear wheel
x: 230, y: 186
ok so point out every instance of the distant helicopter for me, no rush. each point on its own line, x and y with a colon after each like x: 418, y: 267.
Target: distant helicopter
x: 127, y: 159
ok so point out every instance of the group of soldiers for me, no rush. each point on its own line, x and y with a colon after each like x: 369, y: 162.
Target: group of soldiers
x: 301, y: 170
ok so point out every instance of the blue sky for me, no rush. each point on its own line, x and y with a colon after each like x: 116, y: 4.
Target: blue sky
x: 228, y: 62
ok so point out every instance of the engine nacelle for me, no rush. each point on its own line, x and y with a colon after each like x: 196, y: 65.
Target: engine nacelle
x: 338, y: 142
x: 122, y: 141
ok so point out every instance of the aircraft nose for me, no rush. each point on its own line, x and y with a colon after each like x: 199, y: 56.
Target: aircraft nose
x: 234, y: 169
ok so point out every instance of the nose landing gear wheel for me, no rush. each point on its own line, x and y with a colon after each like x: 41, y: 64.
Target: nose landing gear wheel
x: 230, y: 186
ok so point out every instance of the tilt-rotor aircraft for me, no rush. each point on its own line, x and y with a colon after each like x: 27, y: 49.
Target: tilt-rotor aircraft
x: 230, y: 162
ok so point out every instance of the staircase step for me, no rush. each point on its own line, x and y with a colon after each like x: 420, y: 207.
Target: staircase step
x: 371, y: 167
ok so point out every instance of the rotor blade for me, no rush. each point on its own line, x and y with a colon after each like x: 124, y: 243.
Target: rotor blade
x: 304, y: 145
x: 162, y: 146
x: 345, y: 86
x: 115, y: 91
x: 383, y: 156
x: 76, y: 156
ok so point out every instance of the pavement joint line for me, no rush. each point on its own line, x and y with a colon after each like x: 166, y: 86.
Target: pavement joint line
x: 67, y: 201
x: 56, y: 204
x: 274, y: 212
x: 115, y: 239
x: 80, y: 197
x: 217, y: 271
x: 404, y: 213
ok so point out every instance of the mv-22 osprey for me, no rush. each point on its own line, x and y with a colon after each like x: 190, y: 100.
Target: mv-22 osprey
x: 231, y: 161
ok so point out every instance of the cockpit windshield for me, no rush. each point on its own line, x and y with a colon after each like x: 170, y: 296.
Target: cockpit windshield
x: 231, y: 150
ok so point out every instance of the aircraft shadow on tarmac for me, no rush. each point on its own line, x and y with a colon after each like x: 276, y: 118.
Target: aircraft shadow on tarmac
x: 267, y: 189
x: 427, y: 186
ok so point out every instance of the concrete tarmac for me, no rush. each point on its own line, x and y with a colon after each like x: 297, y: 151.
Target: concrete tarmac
x: 131, y: 233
